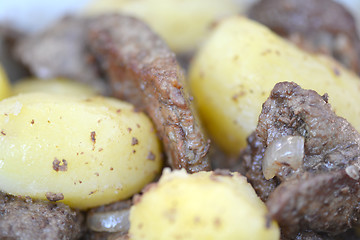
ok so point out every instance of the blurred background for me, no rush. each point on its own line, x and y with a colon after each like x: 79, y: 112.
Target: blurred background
x: 37, y: 14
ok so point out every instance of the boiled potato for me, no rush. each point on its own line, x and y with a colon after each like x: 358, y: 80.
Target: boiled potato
x: 182, y: 23
x: 200, y: 206
x: 4, y: 84
x: 55, y: 86
x: 234, y: 72
x: 85, y: 152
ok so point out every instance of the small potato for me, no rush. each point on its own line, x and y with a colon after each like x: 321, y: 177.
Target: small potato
x: 85, y: 152
x: 4, y: 84
x: 200, y: 206
x: 237, y: 67
x: 182, y: 23
x: 54, y: 86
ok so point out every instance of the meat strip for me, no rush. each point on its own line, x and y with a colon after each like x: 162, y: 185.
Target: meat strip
x: 323, y: 194
x: 321, y: 26
x: 144, y: 71
x: 27, y: 219
x: 60, y: 51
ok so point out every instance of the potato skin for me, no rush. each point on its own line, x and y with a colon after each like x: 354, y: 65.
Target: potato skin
x: 5, y: 89
x: 200, y: 206
x: 181, y: 23
x: 90, y: 151
x: 54, y: 86
x: 234, y: 72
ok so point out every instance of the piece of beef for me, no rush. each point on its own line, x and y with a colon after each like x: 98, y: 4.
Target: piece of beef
x: 322, y: 26
x: 23, y: 218
x: 323, y: 194
x: 144, y: 71
x: 60, y: 51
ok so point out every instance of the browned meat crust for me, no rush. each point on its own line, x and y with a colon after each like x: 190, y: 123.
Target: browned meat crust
x: 323, y: 194
x: 29, y: 219
x: 60, y: 51
x: 316, y: 25
x: 144, y: 71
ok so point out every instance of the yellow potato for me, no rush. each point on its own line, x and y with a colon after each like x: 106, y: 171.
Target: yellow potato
x: 89, y: 152
x: 200, y: 206
x: 54, y: 86
x: 182, y: 23
x: 4, y: 84
x: 236, y: 69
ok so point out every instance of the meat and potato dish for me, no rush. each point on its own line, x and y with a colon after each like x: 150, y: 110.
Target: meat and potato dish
x: 120, y: 129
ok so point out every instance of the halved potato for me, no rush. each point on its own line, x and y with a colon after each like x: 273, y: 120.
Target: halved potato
x: 200, y: 206
x: 84, y: 152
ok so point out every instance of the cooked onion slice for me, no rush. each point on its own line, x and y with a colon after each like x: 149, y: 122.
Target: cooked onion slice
x: 287, y: 150
x: 113, y: 221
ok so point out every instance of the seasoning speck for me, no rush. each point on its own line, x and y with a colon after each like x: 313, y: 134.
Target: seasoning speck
x: 151, y: 156
x: 53, y: 197
x: 32, y: 121
x: 3, y: 133
x: 57, y: 166
x: 336, y: 71
x: 93, y: 136
x: 134, y: 141
x: 92, y: 192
